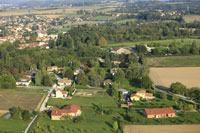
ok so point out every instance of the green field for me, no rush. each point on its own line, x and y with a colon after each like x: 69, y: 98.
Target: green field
x: 180, y: 42
x: 100, y: 18
x: 124, y: 21
x: 12, y: 126
x: 64, y: 29
x: 73, y: 15
x: 174, y: 61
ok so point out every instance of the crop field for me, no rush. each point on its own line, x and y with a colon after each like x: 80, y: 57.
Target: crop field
x: 162, y: 129
x: 124, y: 21
x: 174, y: 61
x: 189, y: 76
x: 179, y: 42
x: 191, y: 18
x: 29, y: 101
x: 101, y: 18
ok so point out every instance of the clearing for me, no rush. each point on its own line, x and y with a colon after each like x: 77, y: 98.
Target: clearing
x: 189, y: 76
x: 191, y: 18
x: 162, y: 129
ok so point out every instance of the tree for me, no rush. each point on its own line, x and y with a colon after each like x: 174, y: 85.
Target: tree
x: 26, y: 115
x: 69, y: 42
x: 163, y: 96
x: 119, y: 76
x: 115, y: 125
x: 52, y: 44
x: 38, y: 78
x: 174, y: 98
x: 60, y: 40
x: 47, y: 81
x: 7, y: 81
x: 114, y: 90
x: 178, y: 88
x: 146, y: 82
x: 69, y: 73
x: 16, y: 113
x: 102, y: 42
x: 82, y: 79
x: 95, y: 79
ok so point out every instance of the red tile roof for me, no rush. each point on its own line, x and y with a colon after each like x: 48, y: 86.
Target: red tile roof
x: 66, y: 110
x: 157, y: 111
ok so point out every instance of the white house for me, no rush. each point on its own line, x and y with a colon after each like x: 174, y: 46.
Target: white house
x: 59, y: 94
x: 23, y: 81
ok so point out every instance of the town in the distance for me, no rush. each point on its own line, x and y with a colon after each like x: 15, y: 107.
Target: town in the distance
x: 94, y: 66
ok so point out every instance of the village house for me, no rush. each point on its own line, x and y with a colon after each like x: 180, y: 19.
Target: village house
x: 141, y: 94
x: 159, y: 112
x: 23, y: 81
x: 72, y: 110
x: 114, y: 70
x: 54, y: 68
x: 64, y: 82
x: 59, y: 94
x: 107, y: 82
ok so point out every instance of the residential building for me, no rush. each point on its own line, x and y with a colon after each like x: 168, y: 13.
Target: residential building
x: 107, y: 82
x: 159, y: 112
x: 72, y: 110
x: 64, y: 82
x: 54, y: 68
x: 23, y: 81
x: 59, y: 93
x: 141, y: 94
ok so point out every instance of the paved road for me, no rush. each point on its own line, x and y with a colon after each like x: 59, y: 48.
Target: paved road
x: 43, y: 106
x: 170, y: 93
x: 30, y: 124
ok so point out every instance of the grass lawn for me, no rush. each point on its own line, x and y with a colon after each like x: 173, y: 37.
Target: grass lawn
x: 92, y: 121
x: 180, y: 42
x: 100, y: 18
x: 64, y: 29
x: 174, y: 61
x: 84, y: 101
x: 12, y: 126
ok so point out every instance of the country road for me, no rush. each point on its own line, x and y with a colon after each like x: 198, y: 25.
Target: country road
x: 156, y: 88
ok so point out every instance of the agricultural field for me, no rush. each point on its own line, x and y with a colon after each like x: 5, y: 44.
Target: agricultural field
x: 179, y: 42
x: 100, y: 18
x: 174, y: 61
x: 26, y: 99
x: 163, y: 128
x: 189, y: 76
x: 191, y: 18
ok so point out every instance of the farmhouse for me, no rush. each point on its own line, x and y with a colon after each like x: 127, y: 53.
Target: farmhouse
x: 72, y: 110
x: 23, y: 81
x: 159, y: 112
x: 59, y: 94
x: 141, y: 94
x: 64, y: 82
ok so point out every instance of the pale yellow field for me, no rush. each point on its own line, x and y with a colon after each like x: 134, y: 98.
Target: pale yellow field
x: 162, y: 129
x: 46, y: 12
x: 189, y: 76
x: 191, y: 18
